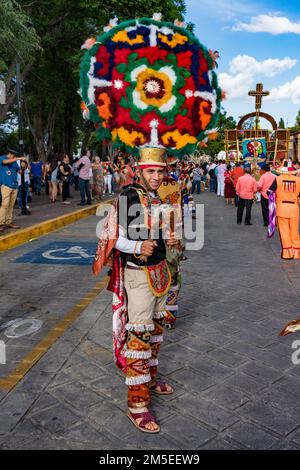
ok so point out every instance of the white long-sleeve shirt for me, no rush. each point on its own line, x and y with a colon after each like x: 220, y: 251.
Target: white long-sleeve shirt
x: 128, y: 246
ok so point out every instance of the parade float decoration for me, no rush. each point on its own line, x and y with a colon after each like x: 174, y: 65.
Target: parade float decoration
x: 255, y: 150
x: 146, y: 82
x: 257, y: 145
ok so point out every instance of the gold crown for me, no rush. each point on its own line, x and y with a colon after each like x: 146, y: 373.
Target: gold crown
x: 152, y: 156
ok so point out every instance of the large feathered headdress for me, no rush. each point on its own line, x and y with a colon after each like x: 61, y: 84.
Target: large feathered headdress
x: 148, y: 83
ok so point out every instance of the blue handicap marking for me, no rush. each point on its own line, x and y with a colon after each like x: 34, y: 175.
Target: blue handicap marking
x: 61, y: 252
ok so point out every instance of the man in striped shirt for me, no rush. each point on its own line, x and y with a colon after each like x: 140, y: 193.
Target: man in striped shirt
x: 197, y: 173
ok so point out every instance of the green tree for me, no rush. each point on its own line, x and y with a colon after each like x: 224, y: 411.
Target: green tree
x: 51, y: 101
x: 249, y: 124
x: 18, y: 43
x: 224, y: 122
x: 281, y: 124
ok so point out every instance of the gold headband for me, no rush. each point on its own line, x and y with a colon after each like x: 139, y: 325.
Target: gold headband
x: 152, y: 156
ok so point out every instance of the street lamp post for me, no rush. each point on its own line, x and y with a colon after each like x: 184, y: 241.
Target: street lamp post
x: 24, y: 210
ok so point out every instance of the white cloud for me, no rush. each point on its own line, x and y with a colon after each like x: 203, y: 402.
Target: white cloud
x: 246, y: 70
x: 236, y: 86
x: 289, y: 91
x: 270, y: 23
x: 268, y: 67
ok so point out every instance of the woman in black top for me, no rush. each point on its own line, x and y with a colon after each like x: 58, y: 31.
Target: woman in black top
x: 65, y: 170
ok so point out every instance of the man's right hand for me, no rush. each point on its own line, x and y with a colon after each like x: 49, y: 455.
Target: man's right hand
x: 147, y: 248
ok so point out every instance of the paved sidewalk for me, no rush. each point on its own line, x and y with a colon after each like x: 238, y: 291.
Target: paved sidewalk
x: 236, y: 387
x: 42, y: 210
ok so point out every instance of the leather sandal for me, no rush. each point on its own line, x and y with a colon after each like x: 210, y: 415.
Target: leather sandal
x: 161, y: 388
x: 146, y: 418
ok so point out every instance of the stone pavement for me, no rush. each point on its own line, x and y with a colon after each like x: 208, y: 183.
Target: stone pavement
x: 236, y: 386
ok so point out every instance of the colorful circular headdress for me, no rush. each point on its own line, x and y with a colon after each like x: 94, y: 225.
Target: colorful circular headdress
x: 145, y: 82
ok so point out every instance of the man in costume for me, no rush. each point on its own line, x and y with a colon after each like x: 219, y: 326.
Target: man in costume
x: 287, y: 187
x: 148, y: 86
x: 147, y: 281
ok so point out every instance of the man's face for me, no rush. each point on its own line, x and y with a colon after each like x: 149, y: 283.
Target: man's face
x: 153, y: 177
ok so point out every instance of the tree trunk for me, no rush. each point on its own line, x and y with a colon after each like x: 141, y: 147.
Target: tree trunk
x: 68, y: 129
x: 13, y: 93
x: 49, y: 128
x: 38, y: 135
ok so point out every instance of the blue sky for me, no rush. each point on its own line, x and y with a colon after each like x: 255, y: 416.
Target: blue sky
x: 258, y: 41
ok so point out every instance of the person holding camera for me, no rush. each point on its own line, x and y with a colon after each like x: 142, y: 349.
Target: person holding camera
x: 9, y: 170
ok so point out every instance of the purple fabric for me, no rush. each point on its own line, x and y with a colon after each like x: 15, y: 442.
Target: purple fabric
x: 272, y: 214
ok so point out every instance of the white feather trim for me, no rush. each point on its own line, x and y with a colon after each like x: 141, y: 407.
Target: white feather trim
x: 154, y: 124
x: 157, y: 16
x: 137, y: 100
x: 137, y: 327
x: 95, y: 82
x: 153, y: 362
x: 136, y: 72
x: 112, y: 23
x: 141, y: 379
x: 212, y: 131
x: 170, y: 73
x: 118, y: 84
x: 138, y: 354
x: 154, y: 142
x: 156, y: 339
x: 189, y: 93
x: 131, y: 28
x: 165, y: 30
x: 160, y: 314
x: 153, y: 35
x: 208, y: 97
x: 168, y: 105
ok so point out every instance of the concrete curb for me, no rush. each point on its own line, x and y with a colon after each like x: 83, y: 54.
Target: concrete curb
x: 11, y: 240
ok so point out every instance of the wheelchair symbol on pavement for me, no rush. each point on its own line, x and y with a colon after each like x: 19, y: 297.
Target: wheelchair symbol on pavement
x: 74, y: 252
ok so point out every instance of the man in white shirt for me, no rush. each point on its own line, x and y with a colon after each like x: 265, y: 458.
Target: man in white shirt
x: 147, y: 281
